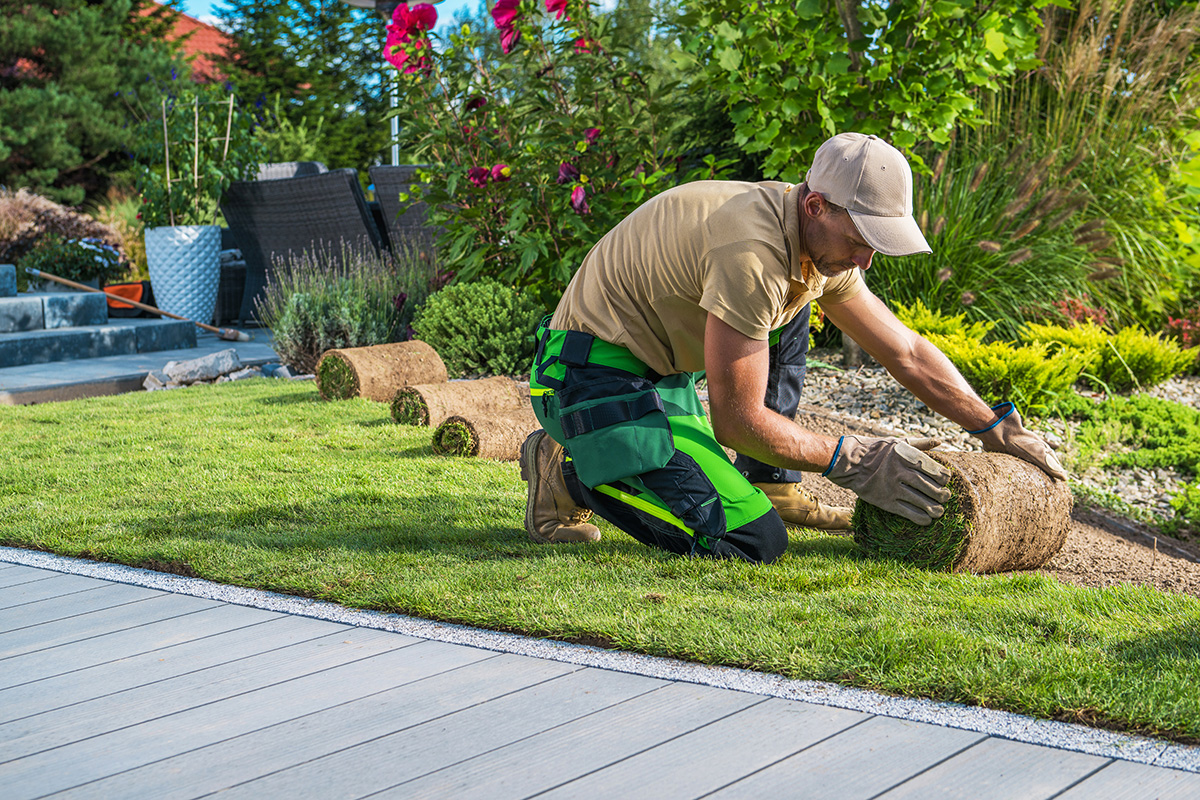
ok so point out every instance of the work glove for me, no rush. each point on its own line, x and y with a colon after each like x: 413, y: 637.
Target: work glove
x: 1008, y: 435
x: 892, y: 474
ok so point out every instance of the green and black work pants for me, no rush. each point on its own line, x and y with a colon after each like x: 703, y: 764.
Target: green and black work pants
x: 642, y: 454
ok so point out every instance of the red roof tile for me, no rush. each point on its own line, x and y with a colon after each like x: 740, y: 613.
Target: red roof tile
x: 201, y: 46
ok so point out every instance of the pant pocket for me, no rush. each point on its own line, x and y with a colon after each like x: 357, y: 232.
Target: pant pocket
x: 614, y: 429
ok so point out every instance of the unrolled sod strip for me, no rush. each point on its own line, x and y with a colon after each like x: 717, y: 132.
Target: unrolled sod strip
x: 497, y: 436
x: 1004, y: 514
x: 376, y: 372
x: 433, y: 403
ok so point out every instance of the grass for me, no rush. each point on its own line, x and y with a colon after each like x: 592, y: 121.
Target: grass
x: 936, y: 546
x: 258, y: 483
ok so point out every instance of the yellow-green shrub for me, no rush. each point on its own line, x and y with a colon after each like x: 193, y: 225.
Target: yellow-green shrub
x: 1128, y: 359
x: 1031, y: 376
x: 926, y: 322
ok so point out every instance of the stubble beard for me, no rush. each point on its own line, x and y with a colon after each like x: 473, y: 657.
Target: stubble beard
x: 833, y: 269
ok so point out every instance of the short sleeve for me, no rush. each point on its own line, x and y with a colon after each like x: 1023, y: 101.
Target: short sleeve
x: 843, y: 287
x: 745, y: 286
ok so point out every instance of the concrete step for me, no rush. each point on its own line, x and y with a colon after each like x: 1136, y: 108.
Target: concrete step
x: 38, y: 311
x: 119, y: 337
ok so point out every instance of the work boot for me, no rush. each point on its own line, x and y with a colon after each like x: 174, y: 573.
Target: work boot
x: 551, y: 514
x: 798, y: 507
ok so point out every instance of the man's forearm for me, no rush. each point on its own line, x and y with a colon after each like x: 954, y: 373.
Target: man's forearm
x: 772, y: 438
x: 933, y: 379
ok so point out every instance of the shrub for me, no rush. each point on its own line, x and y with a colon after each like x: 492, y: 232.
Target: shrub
x: 318, y: 301
x: 1129, y: 359
x: 26, y: 218
x: 925, y: 322
x: 1031, y: 376
x: 1138, y: 431
x: 79, y: 260
x: 478, y: 328
x: 535, y: 151
x: 1187, y: 511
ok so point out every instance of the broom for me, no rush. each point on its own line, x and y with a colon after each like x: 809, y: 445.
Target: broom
x: 228, y: 334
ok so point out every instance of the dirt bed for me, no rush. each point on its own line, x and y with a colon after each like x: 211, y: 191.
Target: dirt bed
x: 1101, y: 550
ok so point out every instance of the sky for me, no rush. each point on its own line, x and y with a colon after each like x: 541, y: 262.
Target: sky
x: 206, y: 11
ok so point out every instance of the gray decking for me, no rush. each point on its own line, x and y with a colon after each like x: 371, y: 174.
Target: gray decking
x: 115, y: 691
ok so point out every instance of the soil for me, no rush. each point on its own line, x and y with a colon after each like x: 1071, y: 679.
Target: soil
x: 1101, y: 549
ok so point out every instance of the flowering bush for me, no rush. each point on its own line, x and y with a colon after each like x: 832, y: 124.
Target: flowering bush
x: 533, y: 154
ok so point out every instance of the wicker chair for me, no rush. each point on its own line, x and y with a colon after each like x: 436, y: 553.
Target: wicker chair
x: 289, y: 169
x: 272, y: 218
x: 406, y: 224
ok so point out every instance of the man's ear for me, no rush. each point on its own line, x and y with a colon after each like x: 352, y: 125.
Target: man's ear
x: 814, y: 204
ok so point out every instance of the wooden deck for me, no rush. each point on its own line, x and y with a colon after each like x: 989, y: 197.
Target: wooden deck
x: 116, y: 691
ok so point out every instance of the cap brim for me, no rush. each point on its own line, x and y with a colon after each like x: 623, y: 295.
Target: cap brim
x: 892, y: 236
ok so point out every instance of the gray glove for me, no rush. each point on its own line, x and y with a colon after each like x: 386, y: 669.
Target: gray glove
x: 1008, y: 435
x: 892, y: 474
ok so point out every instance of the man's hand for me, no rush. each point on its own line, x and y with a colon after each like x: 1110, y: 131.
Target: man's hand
x: 1009, y: 435
x: 893, y: 475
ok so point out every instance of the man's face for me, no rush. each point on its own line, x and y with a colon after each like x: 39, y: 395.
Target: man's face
x: 835, y: 245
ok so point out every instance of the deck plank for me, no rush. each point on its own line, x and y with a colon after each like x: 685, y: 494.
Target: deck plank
x: 591, y: 743
x: 18, y: 574
x: 97, y: 623
x: 110, y: 754
x: 278, y: 747
x: 50, y: 609
x: 134, y: 706
x: 86, y: 670
x: 715, y: 755
x: 1125, y: 780
x: 55, y: 584
x: 999, y: 768
x: 895, y: 750
x: 410, y: 753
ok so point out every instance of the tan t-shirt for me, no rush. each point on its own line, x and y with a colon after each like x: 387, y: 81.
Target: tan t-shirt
x: 727, y: 247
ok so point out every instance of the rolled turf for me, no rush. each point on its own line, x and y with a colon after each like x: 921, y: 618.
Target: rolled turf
x: 433, y: 403
x: 1004, y: 514
x: 376, y: 372
x: 497, y: 436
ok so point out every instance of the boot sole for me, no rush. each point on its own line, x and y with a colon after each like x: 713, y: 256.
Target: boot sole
x: 529, y: 474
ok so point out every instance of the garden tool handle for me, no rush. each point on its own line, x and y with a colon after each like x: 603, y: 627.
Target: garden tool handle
x: 225, y: 333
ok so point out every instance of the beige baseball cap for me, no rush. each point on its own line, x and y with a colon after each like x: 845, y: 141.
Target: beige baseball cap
x: 873, y: 181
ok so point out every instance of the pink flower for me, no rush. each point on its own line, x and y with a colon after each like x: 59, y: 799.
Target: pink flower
x: 479, y: 175
x: 405, y: 36
x: 567, y: 173
x: 420, y: 17
x: 557, y: 7
x: 508, y: 38
x: 579, y: 200
x: 591, y: 135
x: 476, y: 102
x: 505, y: 13
x: 501, y: 173
x: 583, y: 45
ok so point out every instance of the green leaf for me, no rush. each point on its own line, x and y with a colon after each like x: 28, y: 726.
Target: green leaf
x: 729, y: 59
x: 995, y: 43
x: 808, y: 9
x: 727, y: 31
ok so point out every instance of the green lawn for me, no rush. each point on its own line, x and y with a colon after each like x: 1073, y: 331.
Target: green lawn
x: 259, y: 483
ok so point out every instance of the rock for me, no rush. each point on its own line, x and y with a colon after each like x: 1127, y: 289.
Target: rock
x: 205, y: 368
x: 242, y: 374
x: 154, y: 382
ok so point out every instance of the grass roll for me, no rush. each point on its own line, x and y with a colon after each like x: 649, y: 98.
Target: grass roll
x: 432, y: 404
x: 497, y: 436
x: 376, y: 372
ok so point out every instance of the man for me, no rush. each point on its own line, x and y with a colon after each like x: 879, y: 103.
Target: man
x: 717, y: 276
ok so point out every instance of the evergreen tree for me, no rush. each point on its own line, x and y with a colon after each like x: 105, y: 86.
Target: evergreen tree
x: 63, y: 67
x: 323, y: 60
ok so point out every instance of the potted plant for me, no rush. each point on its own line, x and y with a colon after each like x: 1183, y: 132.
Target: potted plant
x: 192, y: 144
x: 87, y: 260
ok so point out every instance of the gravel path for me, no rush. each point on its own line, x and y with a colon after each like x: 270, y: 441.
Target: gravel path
x: 870, y: 393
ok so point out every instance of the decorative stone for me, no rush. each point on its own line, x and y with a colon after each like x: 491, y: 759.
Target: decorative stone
x: 205, y: 368
x: 21, y: 313
x: 74, y: 309
x: 154, y: 382
x: 8, y: 280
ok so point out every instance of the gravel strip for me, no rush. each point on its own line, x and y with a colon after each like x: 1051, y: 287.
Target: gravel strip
x: 872, y: 394
x: 1001, y: 724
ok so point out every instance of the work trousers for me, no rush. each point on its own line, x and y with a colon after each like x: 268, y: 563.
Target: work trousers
x: 640, y: 452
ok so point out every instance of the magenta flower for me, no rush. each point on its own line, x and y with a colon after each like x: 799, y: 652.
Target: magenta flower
x: 591, y: 135
x: 508, y: 39
x: 420, y: 17
x: 476, y: 102
x: 501, y: 173
x: 505, y: 15
x: 405, y: 37
x: 583, y: 45
x: 579, y: 200
x: 557, y: 7
x: 479, y: 175
x: 567, y: 173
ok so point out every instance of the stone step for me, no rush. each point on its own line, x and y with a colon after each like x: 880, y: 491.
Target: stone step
x: 119, y: 337
x: 37, y: 311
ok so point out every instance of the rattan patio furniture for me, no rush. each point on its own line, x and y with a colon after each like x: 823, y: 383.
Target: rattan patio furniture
x: 270, y: 219
x: 289, y: 169
x: 406, y: 223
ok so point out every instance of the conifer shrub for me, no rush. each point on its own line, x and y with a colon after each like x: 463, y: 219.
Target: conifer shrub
x: 480, y: 328
x: 925, y: 321
x: 1128, y: 359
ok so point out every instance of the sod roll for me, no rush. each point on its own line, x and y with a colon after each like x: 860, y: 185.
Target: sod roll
x: 1004, y: 514
x: 497, y: 436
x: 376, y: 372
x: 433, y: 403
